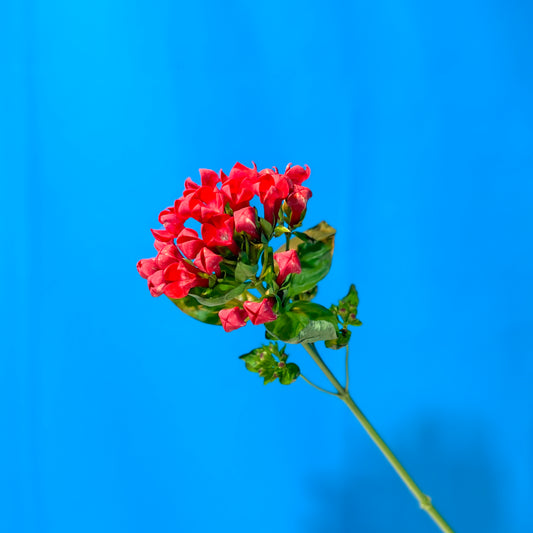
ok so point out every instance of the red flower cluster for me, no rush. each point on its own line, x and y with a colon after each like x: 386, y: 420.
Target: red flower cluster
x: 221, y: 205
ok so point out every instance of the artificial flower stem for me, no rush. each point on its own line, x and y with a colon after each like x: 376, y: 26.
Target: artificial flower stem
x: 423, y: 499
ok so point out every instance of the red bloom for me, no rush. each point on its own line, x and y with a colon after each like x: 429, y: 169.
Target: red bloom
x: 238, y: 186
x: 181, y: 277
x: 162, y: 235
x: 297, y: 203
x: 173, y: 224
x: 167, y: 255
x: 232, y: 318
x: 288, y: 263
x: 297, y: 174
x: 208, y: 261
x: 272, y: 189
x: 246, y: 221
x: 206, y: 202
x: 209, y: 177
x: 210, y: 203
x: 260, y: 312
x: 146, y: 267
x: 189, y: 243
x: 156, y: 283
x: 218, y: 232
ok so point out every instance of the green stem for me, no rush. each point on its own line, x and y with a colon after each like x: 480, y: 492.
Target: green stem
x: 423, y: 499
x: 347, y: 370
x: 287, y: 241
x: 316, y: 386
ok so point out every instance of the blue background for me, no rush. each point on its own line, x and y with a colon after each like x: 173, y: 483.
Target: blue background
x: 118, y: 413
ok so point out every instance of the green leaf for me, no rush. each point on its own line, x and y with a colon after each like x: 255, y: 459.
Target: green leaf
x: 347, y: 308
x: 315, y: 251
x: 244, y: 271
x: 280, y: 230
x: 343, y: 337
x: 219, y: 294
x: 290, y: 374
x: 200, y: 312
x: 303, y: 322
x: 270, y: 363
x: 266, y: 228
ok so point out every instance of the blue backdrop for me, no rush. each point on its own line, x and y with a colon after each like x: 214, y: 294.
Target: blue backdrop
x: 119, y: 413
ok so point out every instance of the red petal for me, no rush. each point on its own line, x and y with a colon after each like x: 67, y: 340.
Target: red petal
x: 162, y: 235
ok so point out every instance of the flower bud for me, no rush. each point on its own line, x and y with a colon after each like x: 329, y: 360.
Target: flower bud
x: 208, y: 261
x: 288, y: 263
x: 232, y: 319
x: 260, y: 312
x: 246, y: 221
x: 147, y: 267
x: 297, y: 204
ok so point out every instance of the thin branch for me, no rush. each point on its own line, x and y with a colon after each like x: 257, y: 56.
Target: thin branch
x: 347, y: 369
x: 317, y: 387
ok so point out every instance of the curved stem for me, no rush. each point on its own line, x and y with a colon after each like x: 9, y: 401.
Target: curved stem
x: 347, y: 369
x: 423, y: 499
x: 316, y: 386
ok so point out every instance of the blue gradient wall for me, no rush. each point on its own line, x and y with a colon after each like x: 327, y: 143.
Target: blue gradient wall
x: 120, y: 414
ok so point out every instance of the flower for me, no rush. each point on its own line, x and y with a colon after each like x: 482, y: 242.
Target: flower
x: 288, y: 263
x: 181, y: 277
x: 246, y: 221
x: 218, y: 233
x: 260, y: 312
x: 208, y: 261
x: 212, y: 237
x: 189, y: 243
x: 232, y: 319
x: 297, y: 204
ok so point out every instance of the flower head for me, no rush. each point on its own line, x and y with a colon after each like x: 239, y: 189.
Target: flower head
x: 213, y: 237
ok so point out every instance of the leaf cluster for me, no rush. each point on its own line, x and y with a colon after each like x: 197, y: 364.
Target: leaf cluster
x: 271, y: 363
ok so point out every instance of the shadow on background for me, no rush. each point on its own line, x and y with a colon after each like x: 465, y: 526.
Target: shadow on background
x: 367, y: 497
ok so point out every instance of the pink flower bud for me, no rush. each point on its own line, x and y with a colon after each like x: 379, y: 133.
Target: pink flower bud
x: 246, y: 221
x: 218, y: 232
x: 156, y: 283
x: 162, y: 235
x: 209, y: 177
x: 232, y: 318
x: 288, y: 263
x: 189, y: 243
x: 297, y: 174
x: 260, y: 312
x: 208, y: 261
x: 297, y: 203
x: 173, y: 224
x: 181, y: 277
x: 147, y: 267
x: 167, y: 255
